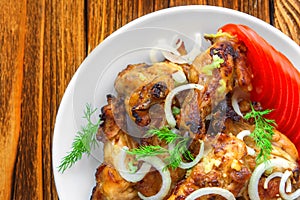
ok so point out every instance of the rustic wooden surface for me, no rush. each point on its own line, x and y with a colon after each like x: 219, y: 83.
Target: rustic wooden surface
x: 42, y: 43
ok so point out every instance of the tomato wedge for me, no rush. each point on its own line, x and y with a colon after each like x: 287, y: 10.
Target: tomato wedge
x: 276, y: 81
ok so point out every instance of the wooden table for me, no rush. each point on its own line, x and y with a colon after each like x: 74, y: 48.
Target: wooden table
x: 42, y: 44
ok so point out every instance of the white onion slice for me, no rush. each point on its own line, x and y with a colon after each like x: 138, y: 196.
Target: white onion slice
x: 278, y: 174
x: 165, y: 176
x: 168, y: 103
x: 270, y: 177
x: 179, y: 43
x: 191, y: 164
x: 174, y: 57
x: 210, y: 190
x: 237, y: 95
x: 282, y: 191
x: 235, y: 106
x: 260, y: 169
x: 241, y: 136
x: 179, y: 77
x: 126, y: 174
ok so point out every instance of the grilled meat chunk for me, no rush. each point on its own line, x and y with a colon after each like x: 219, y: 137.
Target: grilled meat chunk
x: 111, y: 186
x: 143, y: 86
x: 223, y: 166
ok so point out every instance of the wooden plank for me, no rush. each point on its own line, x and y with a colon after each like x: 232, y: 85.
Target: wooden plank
x: 287, y: 18
x: 259, y: 9
x: 101, y: 21
x: 65, y: 49
x: 105, y: 16
x: 12, y: 36
x: 52, y: 53
x: 28, y: 169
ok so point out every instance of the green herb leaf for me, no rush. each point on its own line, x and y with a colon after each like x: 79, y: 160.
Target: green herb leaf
x: 217, y: 35
x: 263, y: 132
x: 83, y: 142
x: 175, y: 110
x: 143, y: 151
x: 179, y: 142
x: 216, y: 62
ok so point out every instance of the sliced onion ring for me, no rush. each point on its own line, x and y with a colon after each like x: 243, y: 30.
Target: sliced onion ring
x: 282, y: 191
x: 165, y: 176
x: 260, y: 169
x: 237, y: 95
x: 174, y: 57
x: 241, y: 136
x: 168, y: 103
x: 270, y: 177
x: 278, y: 174
x: 126, y: 174
x: 210, y: 190
x: 189, y: 165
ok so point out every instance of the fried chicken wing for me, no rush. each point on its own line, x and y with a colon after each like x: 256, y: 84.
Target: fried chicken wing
x: 111, y: 186
x: 144, y: 86
x: 223, y: 166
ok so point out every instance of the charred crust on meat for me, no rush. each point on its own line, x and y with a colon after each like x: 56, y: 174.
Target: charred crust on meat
x: 159, y: 90
x: 136, y: 116
x: 296, y: 174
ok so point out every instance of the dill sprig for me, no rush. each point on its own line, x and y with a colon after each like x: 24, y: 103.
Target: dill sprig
x: 83, y: 142
x: 178, y: 142
x: 151, y: 150
x: 263, y: 132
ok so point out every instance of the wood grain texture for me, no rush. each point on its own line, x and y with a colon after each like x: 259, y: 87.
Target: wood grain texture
x: 12, y: 39
x: 287, y: 18
x: 42, y: 43
x: 64, y: 50
x: 29, y: 159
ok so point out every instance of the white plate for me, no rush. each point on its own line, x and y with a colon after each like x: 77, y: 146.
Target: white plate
x: 94, y: 78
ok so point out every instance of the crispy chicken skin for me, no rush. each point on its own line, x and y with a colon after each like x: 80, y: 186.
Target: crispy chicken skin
x: 143, y: 86
x: 111, y: 186
x: 223, y: 167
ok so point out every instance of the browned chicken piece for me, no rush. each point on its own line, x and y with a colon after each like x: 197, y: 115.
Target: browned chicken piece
x: 113, y: 119
x: 191, y: 118
x: 135, y: 76
x: 111, y: 186
x: 233, y: 72
x: 151, y: 184
x: 109, y: 183
x: 143, y: 86
x: 223, y: 166
x: 284, y: 147
x: 148, y: 95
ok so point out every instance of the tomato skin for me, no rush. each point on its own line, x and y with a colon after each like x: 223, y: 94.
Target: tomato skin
x: 276, y: 81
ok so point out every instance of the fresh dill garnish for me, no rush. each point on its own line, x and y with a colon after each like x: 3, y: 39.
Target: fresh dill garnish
x: 263, y: 132
x: 83, y: 142
x: 151, y: 150
x: 178, y: 142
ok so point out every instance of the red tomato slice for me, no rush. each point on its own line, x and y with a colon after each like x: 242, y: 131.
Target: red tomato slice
x: 276, y: 81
